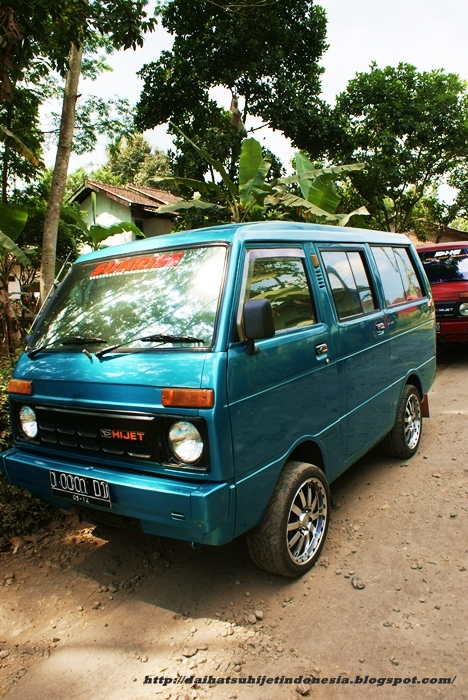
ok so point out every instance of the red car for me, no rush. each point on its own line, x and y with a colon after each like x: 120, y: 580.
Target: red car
x: 446, y: 265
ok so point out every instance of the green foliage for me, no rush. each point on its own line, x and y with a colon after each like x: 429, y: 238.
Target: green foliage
x: 410, y: 128
x: 20, y: 137
x: 132, y: 160
x: 12, y: 219
x: 249, y: 199
x: 431, y: 217
x: 265, y: 53
x: 34, y: 197
x: 97, y: 117
x: 35, y: 36
x: 41, y: 32
x: 216, y: 135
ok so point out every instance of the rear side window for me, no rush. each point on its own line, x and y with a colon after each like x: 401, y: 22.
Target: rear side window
x: 349, y: 282
x: 281, y: 279
x: 398, y: 275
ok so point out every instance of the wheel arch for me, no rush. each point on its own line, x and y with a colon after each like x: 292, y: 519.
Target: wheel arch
x: 307, y: 451
x: 416, y: 382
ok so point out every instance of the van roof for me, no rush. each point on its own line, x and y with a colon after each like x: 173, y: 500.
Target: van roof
x: 264, y: 231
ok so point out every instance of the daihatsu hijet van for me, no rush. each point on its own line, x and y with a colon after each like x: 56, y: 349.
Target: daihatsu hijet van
x: 215, y: 382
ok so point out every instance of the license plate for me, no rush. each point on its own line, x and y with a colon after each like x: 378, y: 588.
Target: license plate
x: 81, y: 489
x: 437, y: 327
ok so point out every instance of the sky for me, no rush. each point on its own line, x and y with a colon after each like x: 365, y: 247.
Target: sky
x: 429, y: 34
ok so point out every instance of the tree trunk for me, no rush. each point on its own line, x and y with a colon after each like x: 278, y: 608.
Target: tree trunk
x: 59, y: 178
x: 9, y: 322
x: 6, y: 157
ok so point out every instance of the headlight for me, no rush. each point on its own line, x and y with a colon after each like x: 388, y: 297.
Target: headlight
x: 185, y: 441
x: 463, y: 308
x: 28, y: 422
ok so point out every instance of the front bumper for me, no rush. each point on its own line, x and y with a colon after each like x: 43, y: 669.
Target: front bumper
x: 452, y: 331
x: 196, y: 512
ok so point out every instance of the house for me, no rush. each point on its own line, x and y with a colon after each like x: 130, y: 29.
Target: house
x: 129, y: 203
x: 444, y: 234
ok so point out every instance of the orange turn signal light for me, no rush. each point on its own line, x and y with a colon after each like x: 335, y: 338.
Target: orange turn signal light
x: 20, y: 386
x: 188, y: 398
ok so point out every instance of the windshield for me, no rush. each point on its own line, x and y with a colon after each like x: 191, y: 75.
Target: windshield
x: 174, y: 293
x: 448, y: 265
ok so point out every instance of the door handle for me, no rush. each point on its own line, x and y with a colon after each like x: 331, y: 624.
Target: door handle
x: 321, y: 349
x: 380, y: 328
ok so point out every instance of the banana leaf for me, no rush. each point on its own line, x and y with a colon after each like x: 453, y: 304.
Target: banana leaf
x: 17, y: 145
x: 250, y: 160
x: 344, y: 218
x: 13, y: 218
x: 323, y: 193
x: 199, y: 185
x: 190, y: 204
x: 253, y: 190
x: 9, y: 246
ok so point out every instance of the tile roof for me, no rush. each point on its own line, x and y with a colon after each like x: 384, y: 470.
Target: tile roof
x: 147, y: 197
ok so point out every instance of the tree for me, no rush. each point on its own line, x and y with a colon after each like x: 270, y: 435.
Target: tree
x: 132, y: 160
x: 57, y: 35
x: 265, y: 53
x: 20, y: 117
x: 411, y: 130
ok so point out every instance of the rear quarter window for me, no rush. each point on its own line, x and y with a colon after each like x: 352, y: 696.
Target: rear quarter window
x: 399, y: 278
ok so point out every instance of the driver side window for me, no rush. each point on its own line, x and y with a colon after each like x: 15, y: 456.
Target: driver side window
x: 283, y: 281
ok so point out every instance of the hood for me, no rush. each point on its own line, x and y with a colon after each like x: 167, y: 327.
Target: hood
x: 125, y: 381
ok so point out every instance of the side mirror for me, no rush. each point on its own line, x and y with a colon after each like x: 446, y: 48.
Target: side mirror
x: 258, y: 322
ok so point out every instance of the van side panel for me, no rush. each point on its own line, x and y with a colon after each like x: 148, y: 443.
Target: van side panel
x: 411, y: 331
x: 277, y: 398
x: 410, y: 322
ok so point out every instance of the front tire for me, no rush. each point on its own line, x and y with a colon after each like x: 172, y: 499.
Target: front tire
x: 403, y: 440
x: 290, y: 538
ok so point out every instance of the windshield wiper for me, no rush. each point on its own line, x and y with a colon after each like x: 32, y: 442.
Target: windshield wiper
x: 70, y: 340
x: 157, y: 338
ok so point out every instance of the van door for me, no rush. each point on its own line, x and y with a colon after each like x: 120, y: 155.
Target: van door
x: 286, y: 391
x: 365, y: 350
x: 410, y: 316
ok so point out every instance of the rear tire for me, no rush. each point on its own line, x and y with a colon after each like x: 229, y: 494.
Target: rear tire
x: 403, y: 440
x: 290, y: 538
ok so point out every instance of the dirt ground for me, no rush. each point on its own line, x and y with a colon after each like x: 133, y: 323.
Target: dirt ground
x: 92, y: 613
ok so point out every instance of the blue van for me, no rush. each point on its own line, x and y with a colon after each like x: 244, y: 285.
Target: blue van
x: 215, y: 382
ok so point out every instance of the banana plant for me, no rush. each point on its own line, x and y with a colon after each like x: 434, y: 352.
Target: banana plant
x: 253, y: 196
x: 241, y: 201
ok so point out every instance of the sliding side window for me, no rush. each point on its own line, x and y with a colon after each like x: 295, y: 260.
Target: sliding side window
x: 399, y: 279
x: 349, y: 282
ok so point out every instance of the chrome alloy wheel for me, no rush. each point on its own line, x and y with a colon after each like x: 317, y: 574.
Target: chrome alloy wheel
x: 306, y: 521
x: 412, y: 421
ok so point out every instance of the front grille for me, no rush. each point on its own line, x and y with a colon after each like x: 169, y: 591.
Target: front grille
x: 112, y: 436
x: 446, y: 309
x: 107, y: 434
